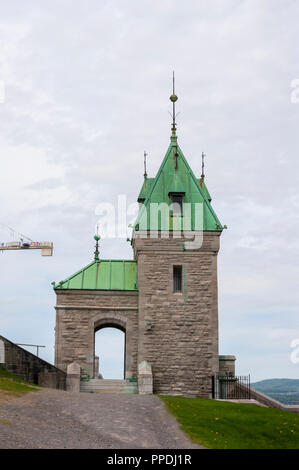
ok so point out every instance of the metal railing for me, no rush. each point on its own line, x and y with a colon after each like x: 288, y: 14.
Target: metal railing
x: 37, y: 346
x: 225, y: 386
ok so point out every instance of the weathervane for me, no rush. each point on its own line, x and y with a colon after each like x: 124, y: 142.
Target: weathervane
x: 145, y: 173
x: 173, y: 98
x: 97, y: 238
x: 203, y: 155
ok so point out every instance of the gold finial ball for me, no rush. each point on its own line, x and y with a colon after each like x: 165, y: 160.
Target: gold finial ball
x: 173, y: 98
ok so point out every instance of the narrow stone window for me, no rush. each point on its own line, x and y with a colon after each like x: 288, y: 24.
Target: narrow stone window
x: 177, y: 279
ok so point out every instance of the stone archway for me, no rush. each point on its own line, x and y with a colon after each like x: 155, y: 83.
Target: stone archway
x: 120, y: 322
x: 80, y: 313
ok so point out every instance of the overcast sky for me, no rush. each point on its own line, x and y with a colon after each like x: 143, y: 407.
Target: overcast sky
x: 85, y: 90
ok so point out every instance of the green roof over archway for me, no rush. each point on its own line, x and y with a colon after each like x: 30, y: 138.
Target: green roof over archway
x: 103, y: 275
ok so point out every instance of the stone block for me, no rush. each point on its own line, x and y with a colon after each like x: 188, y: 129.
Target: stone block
x: 73, y: 377
x: 227, y: 365
x: 145, y: 378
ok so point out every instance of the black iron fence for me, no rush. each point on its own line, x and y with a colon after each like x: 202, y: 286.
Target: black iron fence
x: 231, y: 387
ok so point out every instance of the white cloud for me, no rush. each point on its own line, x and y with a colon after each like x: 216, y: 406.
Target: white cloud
x: 22, y: 166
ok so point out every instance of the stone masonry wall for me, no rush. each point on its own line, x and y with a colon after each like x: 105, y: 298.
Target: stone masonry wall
x: 79, y: 313
x: 29, y: 367
x: 178, y: 332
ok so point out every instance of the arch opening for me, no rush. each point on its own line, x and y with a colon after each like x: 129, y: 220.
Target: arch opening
x: 110, y: 348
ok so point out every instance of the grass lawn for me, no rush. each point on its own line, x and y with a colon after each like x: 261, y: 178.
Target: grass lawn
x: 13, y: 385
x: 223, y: 425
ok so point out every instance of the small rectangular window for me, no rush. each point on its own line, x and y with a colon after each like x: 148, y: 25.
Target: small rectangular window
x: 177, y: 279
x: 176, y: 203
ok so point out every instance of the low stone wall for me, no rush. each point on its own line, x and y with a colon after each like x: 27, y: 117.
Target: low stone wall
x: 29, y: 367
x: 271, y: 402
x: 266, y: 400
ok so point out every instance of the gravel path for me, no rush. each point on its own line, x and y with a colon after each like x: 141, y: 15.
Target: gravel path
x: 55, y: 419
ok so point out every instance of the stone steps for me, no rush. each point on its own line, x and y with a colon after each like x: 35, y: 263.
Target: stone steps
x: 108, y: 386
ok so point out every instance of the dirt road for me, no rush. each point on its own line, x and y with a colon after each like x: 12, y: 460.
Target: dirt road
x: 54, y: 419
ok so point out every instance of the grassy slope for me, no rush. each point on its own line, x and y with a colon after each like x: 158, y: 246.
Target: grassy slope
x: 13, y: 385
x: 224, y: 425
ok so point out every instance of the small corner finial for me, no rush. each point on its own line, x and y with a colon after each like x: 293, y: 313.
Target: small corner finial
x: 97, y: 238
x: 145, y: 173
x: 173, y: 98
x: 203, y: 155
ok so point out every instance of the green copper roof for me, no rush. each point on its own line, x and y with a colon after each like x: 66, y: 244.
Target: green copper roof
x: 147, y: 184
x: 105, y: 275
x: 176, y: 176
x: 205, y: 189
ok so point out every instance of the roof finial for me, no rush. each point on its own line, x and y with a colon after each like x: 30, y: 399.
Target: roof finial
x: 97, y: 238
x: 145, y: 173
x: 173, y: 98
x: 203, y: 155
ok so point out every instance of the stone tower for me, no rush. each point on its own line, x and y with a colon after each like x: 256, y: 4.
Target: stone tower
x: 176, y: 242
x: 165, y: 300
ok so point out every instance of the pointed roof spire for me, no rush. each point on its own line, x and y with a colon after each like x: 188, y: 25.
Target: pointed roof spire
x: 145, y: 173
x: 173, y: 98
x: 97, y: 238
x: 202, y: 178
x: 203, y: 155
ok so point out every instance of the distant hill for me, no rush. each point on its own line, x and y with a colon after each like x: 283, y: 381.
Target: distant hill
x: 284, y: 390
x: 277, y: 385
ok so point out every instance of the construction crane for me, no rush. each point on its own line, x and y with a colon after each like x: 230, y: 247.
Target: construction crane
x: 25, y: 243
